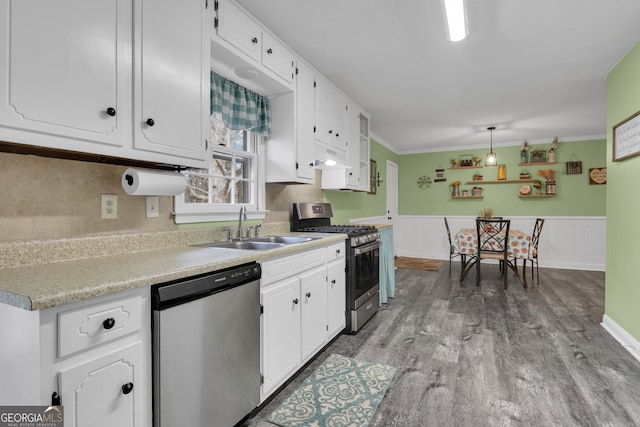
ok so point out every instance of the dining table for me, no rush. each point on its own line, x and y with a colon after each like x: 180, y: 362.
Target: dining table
x: 465, y: 242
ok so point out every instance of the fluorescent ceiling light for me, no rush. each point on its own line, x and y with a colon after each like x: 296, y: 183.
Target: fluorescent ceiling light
x: 456, y: 19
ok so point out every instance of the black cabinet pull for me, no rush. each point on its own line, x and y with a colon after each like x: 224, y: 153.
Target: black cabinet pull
x: 308, y: 294
x: 254, y: 40
x: 311, y: 164
x: 127, y: 388
x: 150, y: 122
x: 295, y: 301
x: 55, y: 399
x: 333, y: 281
x: 109, y: 323
x: 111, y: 111
x: 269, y: 51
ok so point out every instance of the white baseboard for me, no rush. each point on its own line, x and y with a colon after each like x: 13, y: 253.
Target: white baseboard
x: 622, y: 336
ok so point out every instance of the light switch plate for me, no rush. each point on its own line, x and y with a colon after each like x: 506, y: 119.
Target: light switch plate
x: 153, y: 209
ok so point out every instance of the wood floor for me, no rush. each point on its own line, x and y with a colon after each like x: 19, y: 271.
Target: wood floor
x: 486, y: 356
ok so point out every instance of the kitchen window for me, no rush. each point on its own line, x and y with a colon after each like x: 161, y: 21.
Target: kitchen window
x: 234, y: 178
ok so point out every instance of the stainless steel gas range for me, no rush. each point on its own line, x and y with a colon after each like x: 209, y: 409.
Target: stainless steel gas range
x: 362, y: 259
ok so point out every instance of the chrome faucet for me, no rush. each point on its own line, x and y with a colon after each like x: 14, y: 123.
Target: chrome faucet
x: 243, y: 213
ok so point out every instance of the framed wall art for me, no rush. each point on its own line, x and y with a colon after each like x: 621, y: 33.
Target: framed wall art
x: 626, y: 138
x: 373, y: 170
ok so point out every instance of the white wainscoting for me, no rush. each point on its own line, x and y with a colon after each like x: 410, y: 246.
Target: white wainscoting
x: 566, y: 242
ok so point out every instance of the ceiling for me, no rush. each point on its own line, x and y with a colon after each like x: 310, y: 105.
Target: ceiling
x: 534, y: 69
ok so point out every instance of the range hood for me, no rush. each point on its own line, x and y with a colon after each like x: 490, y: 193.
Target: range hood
x: 329, y: 158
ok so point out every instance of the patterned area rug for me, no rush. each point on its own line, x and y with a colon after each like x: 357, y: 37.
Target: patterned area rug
x: 341, y: 392
x: 419, y: 263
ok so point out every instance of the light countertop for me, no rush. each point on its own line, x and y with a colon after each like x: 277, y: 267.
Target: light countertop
x: 39, y: 286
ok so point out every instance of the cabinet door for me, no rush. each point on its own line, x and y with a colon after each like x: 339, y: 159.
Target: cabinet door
x: 353, y: 144
x: 336, y: 297
x: 313, y: 296
x: 95, y: 394
x: 323, y: 106
x: 280, y: 333
x: 65, y: 72
x: 237, y: 28
x: 172, y: 79
x: 278, y: 58
x: 305, y: 120
x: 339, y: 119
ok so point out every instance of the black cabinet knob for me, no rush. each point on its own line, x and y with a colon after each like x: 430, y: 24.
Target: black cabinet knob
x: 338, y: 251
x: 333, y: 281
x: 308, y: 294
x: 254, y: 40
x: 330, y: 132
x: 295, y: 301
x: 111, y: 111
x: 269, y: 51
x: 311, y: 164
x: 109, y: 323
x: 150, y: 122
x: 127, y: 388
x: 337, y: 135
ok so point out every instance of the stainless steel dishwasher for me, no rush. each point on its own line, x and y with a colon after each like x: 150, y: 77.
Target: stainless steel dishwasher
x: 206, y: 348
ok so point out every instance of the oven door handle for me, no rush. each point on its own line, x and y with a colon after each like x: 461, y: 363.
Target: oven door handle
x: 368, y: 247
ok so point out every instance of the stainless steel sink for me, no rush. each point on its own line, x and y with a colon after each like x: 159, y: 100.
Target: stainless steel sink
x: 250, y: 245
x: 287, y: 240
x: 260, y: 243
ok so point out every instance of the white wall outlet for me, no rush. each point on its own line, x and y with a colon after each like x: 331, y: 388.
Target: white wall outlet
x: 109, y: 206
x: 153, y: 207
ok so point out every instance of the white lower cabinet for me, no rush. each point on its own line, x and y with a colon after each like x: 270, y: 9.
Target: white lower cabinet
x: 95, y: 355
x: 303, y: 303
x: 102, y: 391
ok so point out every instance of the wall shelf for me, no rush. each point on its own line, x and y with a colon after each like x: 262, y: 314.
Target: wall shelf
x: 467, y: 197
x: 537, y: 163
x: 501, y: 181
x: 531, y: 196
x: 467, y: 167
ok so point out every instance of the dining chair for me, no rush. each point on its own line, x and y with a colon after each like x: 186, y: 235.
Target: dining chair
x: 532, y: 253
x: 453, y: 249
x: 493, y: 236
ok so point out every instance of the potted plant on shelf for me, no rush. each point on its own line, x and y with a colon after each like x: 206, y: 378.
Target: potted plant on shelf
x: 537, y: 185
x: 476, y: 191
x: 550, y: 177
x: 477, y: 160
x: 477, y: 176
x: 525, y: 175
x: 456, y: 188
x: 454, y: 163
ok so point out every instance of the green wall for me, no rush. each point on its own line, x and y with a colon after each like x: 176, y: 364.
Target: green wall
x: 348, y: 205
x: 574, y: 194
x: 622, y: 292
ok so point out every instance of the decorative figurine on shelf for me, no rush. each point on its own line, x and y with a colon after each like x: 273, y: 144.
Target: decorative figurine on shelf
x: 552, y: 150
x: 523, y: 152
x: 465, y: 193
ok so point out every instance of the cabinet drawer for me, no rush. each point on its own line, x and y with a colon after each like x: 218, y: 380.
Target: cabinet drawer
x: 85, y: 327
x: 278, y: 269
x: 335, y: 252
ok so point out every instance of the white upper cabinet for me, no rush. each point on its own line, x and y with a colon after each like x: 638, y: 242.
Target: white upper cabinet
x: 65, y: 72
x: 67, y: 79
x: 290, y: 150
x: 277, y: 57
x: 239, y: 29
x: 256, y: 55
x: 330, y: 115
x: 172, y: 77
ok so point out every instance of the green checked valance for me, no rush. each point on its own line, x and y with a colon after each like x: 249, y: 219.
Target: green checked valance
x: 240, y: 107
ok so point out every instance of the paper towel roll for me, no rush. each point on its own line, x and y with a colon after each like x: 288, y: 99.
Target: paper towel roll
x: 148, y: 182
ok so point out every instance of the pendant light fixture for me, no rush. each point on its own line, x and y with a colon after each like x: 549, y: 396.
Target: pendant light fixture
x: 492, y: 160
